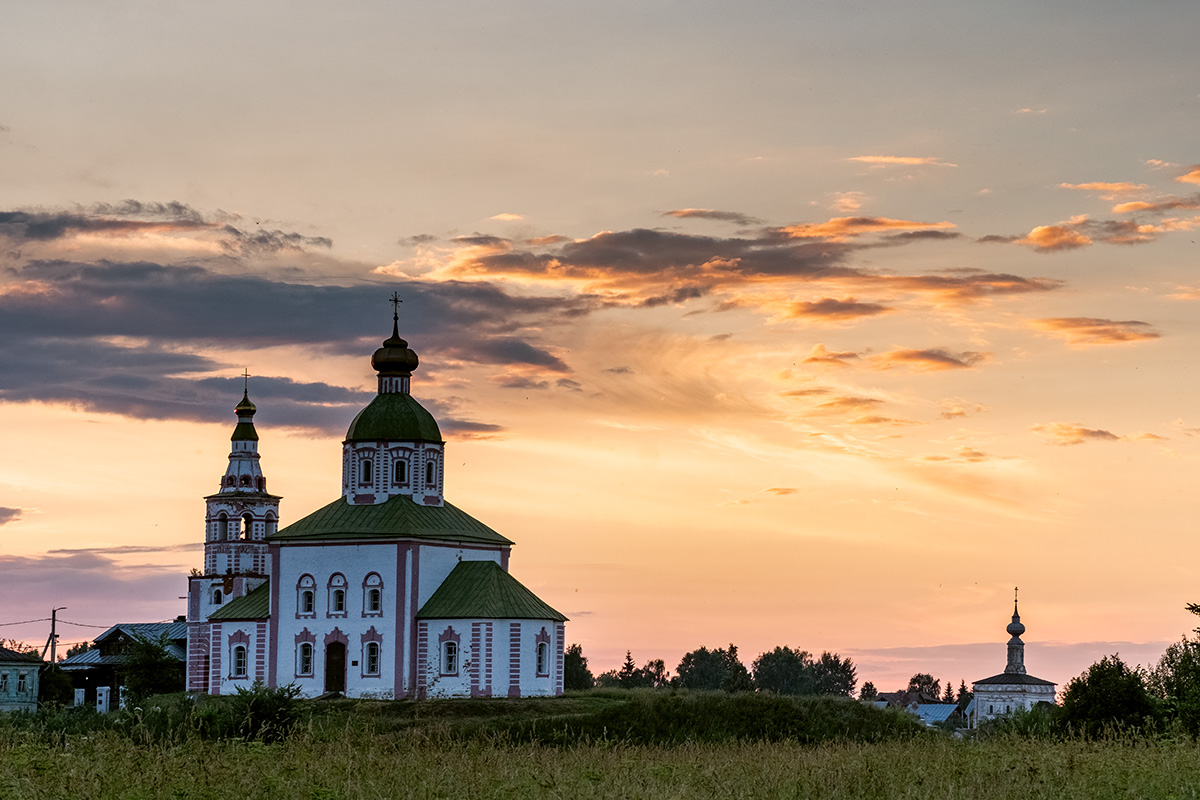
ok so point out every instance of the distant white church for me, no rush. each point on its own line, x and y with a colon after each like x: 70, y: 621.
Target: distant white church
x: 388, y: 591
x: 1012, y: 689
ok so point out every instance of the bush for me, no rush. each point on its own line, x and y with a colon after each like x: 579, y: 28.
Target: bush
x: 1109, y: 698
x: 258, y: 713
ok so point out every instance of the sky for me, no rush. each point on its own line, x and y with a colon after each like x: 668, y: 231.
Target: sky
x: 819, y: 325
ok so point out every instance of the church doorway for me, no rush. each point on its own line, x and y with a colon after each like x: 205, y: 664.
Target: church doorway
x: 335, y: 667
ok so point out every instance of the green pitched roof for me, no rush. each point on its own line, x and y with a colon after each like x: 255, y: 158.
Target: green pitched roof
x: 255, y: 605
x: 394, y: 417
x: 483, y: 590
x: 398, y: 518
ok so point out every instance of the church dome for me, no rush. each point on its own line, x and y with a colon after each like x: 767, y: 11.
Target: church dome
x: 394, y: 418
x: 395, y: 357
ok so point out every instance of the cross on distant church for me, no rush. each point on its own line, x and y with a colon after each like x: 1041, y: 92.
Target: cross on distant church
x: 246, y: 375
x: 395, y: 301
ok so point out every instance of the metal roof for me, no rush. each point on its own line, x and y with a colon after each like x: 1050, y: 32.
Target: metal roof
x: 1013, y: 679
x: 935, y: 712
x: 394, y: 417
x: 176, y: 631
x: 398, y: 518
x: 255, y: 605
x: 483, y: 590
x: 13, y: 655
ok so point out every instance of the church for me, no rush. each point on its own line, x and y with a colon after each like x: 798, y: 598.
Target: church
x: 1012, y: 689
x: 389, y: 591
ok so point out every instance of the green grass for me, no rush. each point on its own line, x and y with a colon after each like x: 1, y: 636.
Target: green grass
x: 480, y: 749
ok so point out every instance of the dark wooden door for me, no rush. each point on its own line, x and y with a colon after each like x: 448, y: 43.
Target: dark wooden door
x: 335, y: 667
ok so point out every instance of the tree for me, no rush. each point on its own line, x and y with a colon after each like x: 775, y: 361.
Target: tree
x: 150, y: 668
x: 576, y: 674
x: 713, y: 669
x: 926, y: 683
x: 1176, y: 681
x: 18, y: 646
x: 948, y: 697
x: 76, y: 649
x: 868, y: 692
x: 608, y: 680
x: 784, y: 671
x: 629, y: 676
x: 1110, y: 695
x: 835, y: 675
x: 964, y: 695
x: 54, y: 686
x: 654, y: 673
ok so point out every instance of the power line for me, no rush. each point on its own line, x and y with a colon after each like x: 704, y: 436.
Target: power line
x: 81, y: 624
x: 26, y: 622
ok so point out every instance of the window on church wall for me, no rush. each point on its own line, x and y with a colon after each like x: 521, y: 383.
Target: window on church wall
x: 372, y: 595
x: 371, y: 659
x: 217, y: 597
x: 222, y: 525
x: 400, y: 472
x: 304, y: 659
x: 337, y: 595
x: 449, y: 658
x: 238, y: 661
x: 306, y: 596
x: 244, y: 480
x: 366, y: 472
x: 272, y: 524
x: 247, y: 526
x: 543, y: 658
x: 430, y: 471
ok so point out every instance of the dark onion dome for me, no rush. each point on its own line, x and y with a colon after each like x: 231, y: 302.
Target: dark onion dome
x: 244, y: 432
x: 394, y: 417
x: 1015, y: 628
x: 394, y: 358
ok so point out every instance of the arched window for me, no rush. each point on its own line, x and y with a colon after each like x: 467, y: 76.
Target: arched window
x: 306, y: 596
x: 247, y: 525
x: 217, y: 597
x: 400, y: 472
x: 429, y: 473
x: 372, y: 595
x: 337, y: 595
x: 372, y: 658
x: 238, y: 668
x: 368, y: 471
x: 304, y: 659
x: 261, y: 482
x: 272, y: 524
x: 244, y: 480
x: 449, y: 658
x: 543, y: 658
x: 222, y: 525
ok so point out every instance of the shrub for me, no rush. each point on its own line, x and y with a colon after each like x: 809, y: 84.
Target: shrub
x: 258, y: 713
x: 1109, y: 698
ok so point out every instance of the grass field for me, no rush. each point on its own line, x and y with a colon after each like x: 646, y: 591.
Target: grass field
x: 410, y: 750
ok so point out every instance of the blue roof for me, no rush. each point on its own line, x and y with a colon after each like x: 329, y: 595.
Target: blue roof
x: 935, y: 712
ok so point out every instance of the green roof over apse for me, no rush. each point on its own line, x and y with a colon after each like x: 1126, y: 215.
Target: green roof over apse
x: 394, y: 417
x: 398, y: 518
x: 483, y: 590
x: 255, y: 605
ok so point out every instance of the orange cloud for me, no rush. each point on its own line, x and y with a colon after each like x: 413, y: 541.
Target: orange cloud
x: 1191, y: 176
x: 1060, y: 433
x: 848, y: 201
x: 820, y: 355
x: 909, y: 161
x: 1100, y: 186
x: 849, y: 404
x: 841, y: 228
x: 1092, y: 330
x: 780, y: 491
x: 929, y: 360
x: 875, y: 419
x: 507, y: 217
x: 1054, y: 237
x: 963, y: 454
x: 832, y: 310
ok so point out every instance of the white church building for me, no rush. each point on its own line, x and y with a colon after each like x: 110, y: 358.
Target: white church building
x: 388, y: 591
x: 1012, y: 689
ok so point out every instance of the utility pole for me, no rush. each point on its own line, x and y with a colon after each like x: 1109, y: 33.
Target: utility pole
x: 52, y: 642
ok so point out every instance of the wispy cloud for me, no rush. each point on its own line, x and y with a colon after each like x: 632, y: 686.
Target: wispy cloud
x: 1061, y: 433
x: 928, y: 360
x: 821, y: 355
x: 908, y: 161
x: 1094, y: 330
x: 842, y: 228
x: 834, y: 310
x: 8, y: 515
x: 507, y: 217
x: 708, y: 213
x: 1108, y: 188
x: 1191, y: 176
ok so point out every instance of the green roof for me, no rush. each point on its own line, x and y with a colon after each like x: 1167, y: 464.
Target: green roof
x: 394, y: 417
x: 398, y: 518
x: 243, y: 432
x: 483, y: 590
x: 255, y: 605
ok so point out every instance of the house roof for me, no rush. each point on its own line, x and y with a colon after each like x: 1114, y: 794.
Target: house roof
x: 14, y: 655
x: 397, y: 518
x: 935, y: 712
x: 1013, y: 679
x: 254, y: 605
x: 176, y: 634
x: 483, y: 590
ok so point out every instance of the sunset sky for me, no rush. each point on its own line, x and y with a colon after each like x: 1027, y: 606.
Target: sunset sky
x: 818, y: 324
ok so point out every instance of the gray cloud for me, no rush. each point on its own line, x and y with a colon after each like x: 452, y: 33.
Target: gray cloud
x: 8, y: 515
x: 708, y: 213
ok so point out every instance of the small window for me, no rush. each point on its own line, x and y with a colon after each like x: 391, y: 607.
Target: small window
x: 400, y: 472
x: 304, y: 659
x: 429, y: 473
x: 306, y: 596
x: 339, y: 601
x: 272, y: 525
x: 307, y: 605
x: 244, y: 480
x: 22, y: 683
x: 368, y: 471
x: 217, y: 597
x: 372, y: 658
x: 239, y: 661
x: 374, y: 602
x: 336, y: 598
x: 450, y: 658
x: 543, y: 658
x: 223, y: 524
x: 991, y: 709
x: 247, y: 526
x: 3, y: 683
